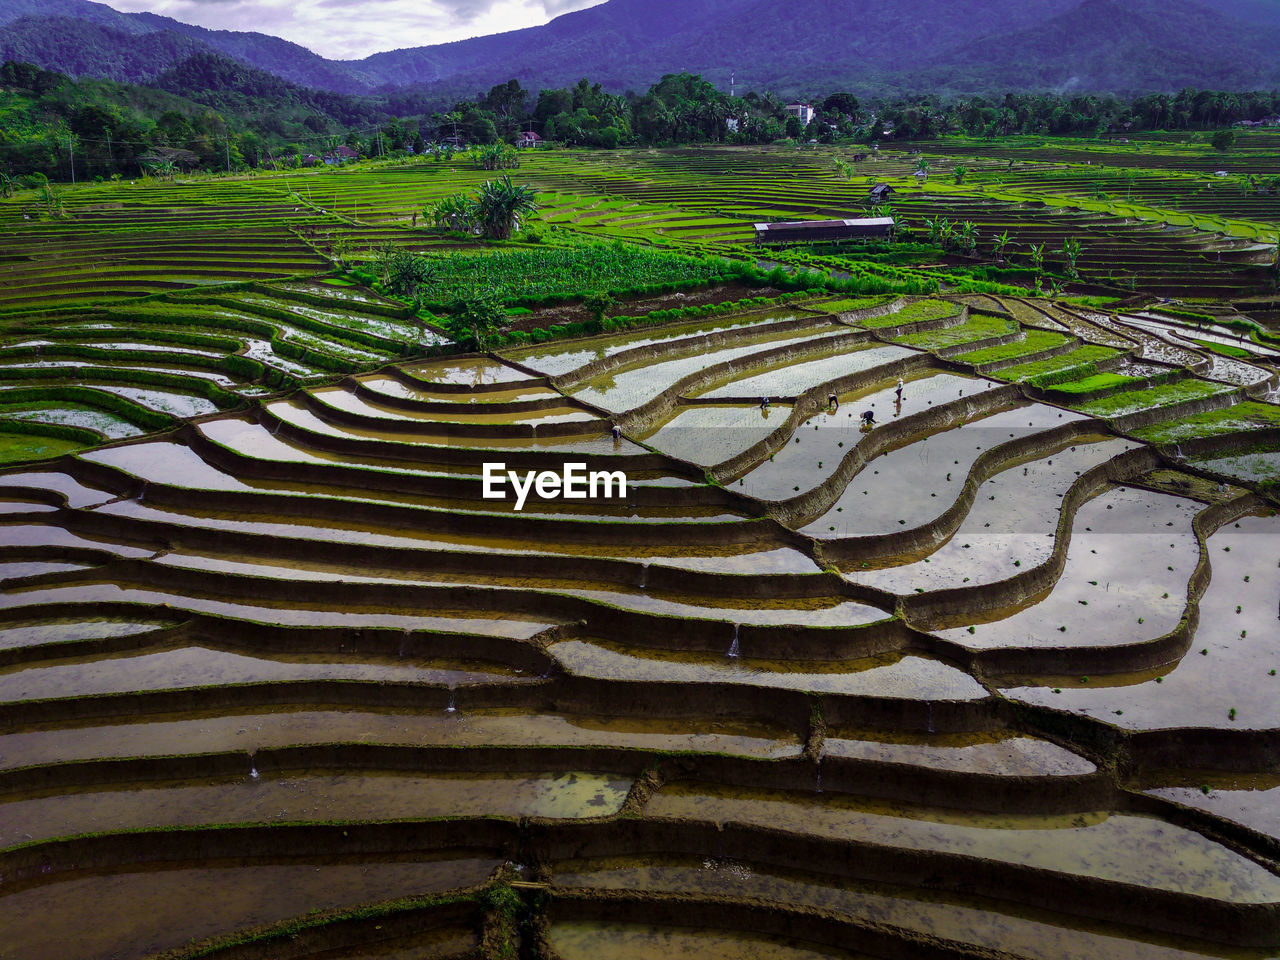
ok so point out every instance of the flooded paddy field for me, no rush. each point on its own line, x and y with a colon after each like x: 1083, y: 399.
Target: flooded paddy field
x: 992, y: 673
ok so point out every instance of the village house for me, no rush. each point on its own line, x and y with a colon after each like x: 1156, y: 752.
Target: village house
x: 801, y: 111
x: 340, y: 155
x: 527, y: 138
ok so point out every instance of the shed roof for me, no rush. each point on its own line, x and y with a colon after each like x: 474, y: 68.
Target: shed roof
x: 825, y: 224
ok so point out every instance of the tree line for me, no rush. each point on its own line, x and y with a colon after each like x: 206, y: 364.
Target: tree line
x: 84, y: 129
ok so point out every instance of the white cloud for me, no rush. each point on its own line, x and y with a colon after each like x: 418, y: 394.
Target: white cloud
x: 343, y: 30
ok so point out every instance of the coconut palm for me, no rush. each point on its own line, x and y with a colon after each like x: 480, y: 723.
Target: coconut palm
x: 500, y: 204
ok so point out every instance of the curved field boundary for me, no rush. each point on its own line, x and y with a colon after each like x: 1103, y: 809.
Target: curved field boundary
x: 927, y: 537
x: 898, y: 433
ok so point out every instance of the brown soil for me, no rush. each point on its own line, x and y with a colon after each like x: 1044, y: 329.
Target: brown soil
x: 574, y: 312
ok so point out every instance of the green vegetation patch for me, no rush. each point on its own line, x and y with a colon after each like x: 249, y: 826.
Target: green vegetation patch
x: 555, y: 273
x: 1098, y: 381
x: 851, y: 304
x: 1134, y: 400
x: 1033, y: 342
x: 1067, y: 366
x: 977, y: 327
x: 1223, y: 349
x: 917, y: 312
x: 1242, y: 416
x: 21, y: 448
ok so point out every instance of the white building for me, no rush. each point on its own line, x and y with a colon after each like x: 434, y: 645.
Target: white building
x: 801, y: 111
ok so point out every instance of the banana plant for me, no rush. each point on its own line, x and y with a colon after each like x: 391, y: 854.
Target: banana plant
x: 999, y: 243
x: 1071, y: 251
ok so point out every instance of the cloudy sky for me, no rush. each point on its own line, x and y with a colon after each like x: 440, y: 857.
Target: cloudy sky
x: 340, y: 29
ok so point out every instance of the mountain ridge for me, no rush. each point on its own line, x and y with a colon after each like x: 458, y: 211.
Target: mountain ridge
x: 796, y: 47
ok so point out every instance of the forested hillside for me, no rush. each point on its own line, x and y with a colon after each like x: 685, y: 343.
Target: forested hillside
x: 796, y: 48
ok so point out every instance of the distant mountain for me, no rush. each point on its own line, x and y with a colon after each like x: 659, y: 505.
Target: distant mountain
x: 786, y: 44
x: 794, y: 47
x: 1124, y: 46
x: 144, y: 45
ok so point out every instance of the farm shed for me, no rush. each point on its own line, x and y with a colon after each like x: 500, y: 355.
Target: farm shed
x: 880, y: 192
x: 811, y: 231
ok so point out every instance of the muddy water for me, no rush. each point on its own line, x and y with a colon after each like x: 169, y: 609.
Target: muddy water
x: 795, y: 378
x: 1249, y: 467
x: 189, y: 667
x: 1117, y: 586
x: 166, y: 401
x: 910, y: 486
x: 255, y: 440
x: 294, y: 413
x: 1002, y: 756
x: 77, y: 494
x: 735, y: 558
x: 707, y: 435
x: 39, y: 535
x: 474, y: 372
x: 129, y: 916
x: 826, y: 438
x: 632, y: 386
x: 1124, y: 848
x: 556, y: 360
x: 814, y: 612
x: 342, y: 399
x: 1014, y: 517
x: 1251, y: 801
x: 1230, y: 661
x: 31, y: 568
x: 298, y: 614
x: 257, y: 443
x: 994, y: 926
x: 32, y: 633
x: 168, y: 463
x: 582, y: 940
x: 25, y: 507
x: 805, y: 610
x: 363, y: 796
x: 909, y: 677
x: 394, y: 388
x: 466, y: 727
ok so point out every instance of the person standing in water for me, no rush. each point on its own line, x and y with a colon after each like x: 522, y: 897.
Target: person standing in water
x: 898, y: 390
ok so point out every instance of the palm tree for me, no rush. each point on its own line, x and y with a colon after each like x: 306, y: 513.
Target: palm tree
x: 499, y: 206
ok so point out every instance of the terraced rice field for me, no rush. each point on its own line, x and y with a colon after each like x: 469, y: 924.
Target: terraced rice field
x: 992, y: 675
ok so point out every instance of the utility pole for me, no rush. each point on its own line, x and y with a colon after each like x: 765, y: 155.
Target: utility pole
x: 732, y: 75
x: 71, y: 146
